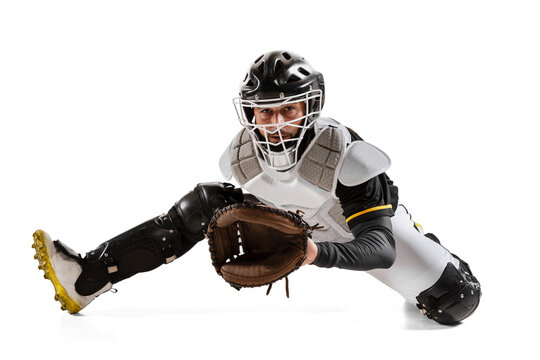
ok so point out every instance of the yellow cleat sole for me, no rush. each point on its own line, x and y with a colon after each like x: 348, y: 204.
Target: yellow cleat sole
x: 45, y: 264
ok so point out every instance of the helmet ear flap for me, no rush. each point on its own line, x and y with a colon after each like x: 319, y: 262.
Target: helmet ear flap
x: 250, y: 113
x: 321, y: 86
x: 313, y: 108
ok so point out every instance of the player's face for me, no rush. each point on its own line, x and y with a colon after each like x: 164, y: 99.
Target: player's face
x: 275, y: 117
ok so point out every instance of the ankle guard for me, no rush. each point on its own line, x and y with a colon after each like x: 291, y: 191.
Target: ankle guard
x: 453, y: 297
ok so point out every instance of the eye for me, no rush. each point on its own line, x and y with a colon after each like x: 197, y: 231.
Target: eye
x: 289, y: 108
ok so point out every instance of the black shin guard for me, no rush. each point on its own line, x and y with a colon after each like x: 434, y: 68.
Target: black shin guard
x: 157, y: 241
x: 145, y: 247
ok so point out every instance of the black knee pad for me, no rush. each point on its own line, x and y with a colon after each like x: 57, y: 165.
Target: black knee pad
x: 453, y: 297
x: 192, y: 213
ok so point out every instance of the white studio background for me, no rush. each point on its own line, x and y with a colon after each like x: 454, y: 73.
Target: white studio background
x: 110, y: 111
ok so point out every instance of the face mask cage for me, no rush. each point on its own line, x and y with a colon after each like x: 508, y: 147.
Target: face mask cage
x: 283, y: 154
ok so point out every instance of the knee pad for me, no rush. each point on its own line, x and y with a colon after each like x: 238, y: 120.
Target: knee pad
x: 196, y: 208
x: 453, y: 297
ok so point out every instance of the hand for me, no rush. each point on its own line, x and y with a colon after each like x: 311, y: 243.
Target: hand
x: 311, y: 253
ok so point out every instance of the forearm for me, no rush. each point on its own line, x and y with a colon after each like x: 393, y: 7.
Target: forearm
x: 372, y: 248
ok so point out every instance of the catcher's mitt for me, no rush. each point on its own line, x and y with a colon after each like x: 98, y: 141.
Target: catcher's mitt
x: 254, y: 244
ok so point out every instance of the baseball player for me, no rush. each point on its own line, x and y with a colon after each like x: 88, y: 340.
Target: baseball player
x: 290, y: 157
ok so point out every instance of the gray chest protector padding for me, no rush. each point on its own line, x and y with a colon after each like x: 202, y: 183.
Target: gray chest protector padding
x: 336, y: 212
x: 320, y: 162
x: 244, y: 163
x: 360, y: 161
x: 318, y: 165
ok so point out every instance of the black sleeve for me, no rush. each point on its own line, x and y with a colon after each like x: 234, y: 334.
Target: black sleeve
x: 367, y: 209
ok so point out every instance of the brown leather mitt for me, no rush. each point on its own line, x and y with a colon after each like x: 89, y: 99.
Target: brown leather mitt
x: 253, y: 244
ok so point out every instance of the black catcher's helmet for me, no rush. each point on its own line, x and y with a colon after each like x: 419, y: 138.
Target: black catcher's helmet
x: 280, y: 74
x: 273, y: 79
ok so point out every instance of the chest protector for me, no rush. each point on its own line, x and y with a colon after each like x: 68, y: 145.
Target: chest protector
x: 310, y: 185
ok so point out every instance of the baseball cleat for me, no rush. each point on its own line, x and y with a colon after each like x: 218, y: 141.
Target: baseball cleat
x: 62, y: 266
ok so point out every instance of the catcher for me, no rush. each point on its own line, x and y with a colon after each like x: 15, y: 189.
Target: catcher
x: 318, y: 184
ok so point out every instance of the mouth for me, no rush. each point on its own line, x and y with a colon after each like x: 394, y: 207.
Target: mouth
x: 276, y: 138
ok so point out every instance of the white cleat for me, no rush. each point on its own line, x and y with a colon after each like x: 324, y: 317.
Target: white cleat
x: 63, y: 271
